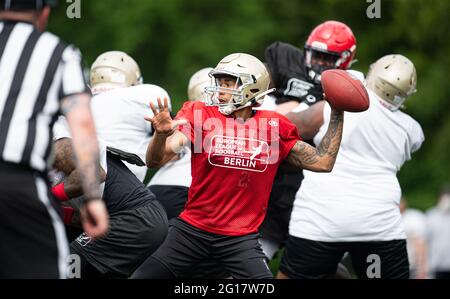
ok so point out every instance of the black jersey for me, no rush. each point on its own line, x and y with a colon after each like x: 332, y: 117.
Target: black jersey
x: 123, y: 190
x: 289, y: 74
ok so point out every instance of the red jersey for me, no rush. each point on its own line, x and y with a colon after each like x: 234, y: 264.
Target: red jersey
x: 233, y: 166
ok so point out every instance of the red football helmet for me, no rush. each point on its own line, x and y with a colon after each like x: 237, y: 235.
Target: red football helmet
x: 331, y: 45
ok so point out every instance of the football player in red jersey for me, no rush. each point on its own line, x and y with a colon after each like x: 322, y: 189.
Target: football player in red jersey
x: 236, y: 152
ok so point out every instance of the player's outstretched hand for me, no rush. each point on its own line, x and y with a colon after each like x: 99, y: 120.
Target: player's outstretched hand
x: 94, y: 218
x: 162, y: 121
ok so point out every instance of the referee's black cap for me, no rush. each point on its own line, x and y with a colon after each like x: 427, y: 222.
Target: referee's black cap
x: 18, y: 5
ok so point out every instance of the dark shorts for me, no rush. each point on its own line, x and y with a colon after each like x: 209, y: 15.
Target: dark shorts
x: 376, y: 259
x: 32, y: 239
x: 172, y: 198
x: 132, y: 237
x: 186, y: 246
x: 123, y: 190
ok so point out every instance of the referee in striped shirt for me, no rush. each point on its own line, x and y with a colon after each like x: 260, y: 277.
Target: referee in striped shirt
x: 40, y: 77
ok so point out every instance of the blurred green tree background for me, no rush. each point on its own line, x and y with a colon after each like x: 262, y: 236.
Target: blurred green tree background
x: 171, y: 39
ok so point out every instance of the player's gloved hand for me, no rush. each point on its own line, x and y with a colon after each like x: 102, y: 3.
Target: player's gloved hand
x: 162, y: 121
x: 94, y: 218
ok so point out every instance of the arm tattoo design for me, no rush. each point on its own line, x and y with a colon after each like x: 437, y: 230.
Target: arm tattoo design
x: 91, y: 180
x: 323, y: 157
x: 65, y: 161
x: 64, y: 156
x: 332, y: 139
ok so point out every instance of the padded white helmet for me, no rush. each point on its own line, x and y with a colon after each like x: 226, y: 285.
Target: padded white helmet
x: 252, y: 82
x: 197, y: 84
x: 393, y: 78
x: 114, y: 69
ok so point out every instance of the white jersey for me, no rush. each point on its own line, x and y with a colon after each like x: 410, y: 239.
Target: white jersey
x: 175, y: 173
x: 119, y: 119
x: 358, y: 200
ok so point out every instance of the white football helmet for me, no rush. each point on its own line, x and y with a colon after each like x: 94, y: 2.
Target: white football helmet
x: 252, y: 82
x: 114, y: 69
x: 393, y: 78
x: 197, y: 84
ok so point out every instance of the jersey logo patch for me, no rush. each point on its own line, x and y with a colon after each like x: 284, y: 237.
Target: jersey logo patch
x: 273, y: 123
x: 83, y: 239
x: 239, y: 153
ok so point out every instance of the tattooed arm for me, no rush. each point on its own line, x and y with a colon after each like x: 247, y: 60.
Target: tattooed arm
x: 72, y: 183
x: 65, y: 162
x: 78, y: 114
x: 321, y: 158
x: 64, y: 156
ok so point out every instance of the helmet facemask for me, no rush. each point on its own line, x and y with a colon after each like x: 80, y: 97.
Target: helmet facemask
x: 329, y: 60
x: 239, y: 93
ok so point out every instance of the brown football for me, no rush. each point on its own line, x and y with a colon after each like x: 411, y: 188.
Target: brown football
x: 344, y: 92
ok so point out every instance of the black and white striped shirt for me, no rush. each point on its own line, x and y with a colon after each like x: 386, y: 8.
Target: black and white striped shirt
x: 37, y: 70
